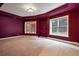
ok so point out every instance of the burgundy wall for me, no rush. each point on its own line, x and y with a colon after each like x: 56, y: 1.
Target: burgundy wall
x: 71, y: 9
x: 73, y: 25
x: 42, y: 26
x: 10, y: 25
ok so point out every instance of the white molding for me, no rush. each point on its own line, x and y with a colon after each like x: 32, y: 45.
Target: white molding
x: 11, y: 37
x: 29, y: 27
x: 65, y: 41
x: 58, y: 33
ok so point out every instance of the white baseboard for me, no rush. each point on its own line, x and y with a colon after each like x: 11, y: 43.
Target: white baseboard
x: 11, y: 37
x: 65, y: 41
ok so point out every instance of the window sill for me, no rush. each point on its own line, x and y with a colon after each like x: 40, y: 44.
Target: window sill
x: 30, y: 33
x: 59, y: 34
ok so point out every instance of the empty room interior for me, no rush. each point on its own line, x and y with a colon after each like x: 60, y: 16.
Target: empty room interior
x: 39, y: 29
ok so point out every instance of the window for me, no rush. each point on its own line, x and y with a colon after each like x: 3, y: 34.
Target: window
x: 59, y: 26
x: 30, y: 27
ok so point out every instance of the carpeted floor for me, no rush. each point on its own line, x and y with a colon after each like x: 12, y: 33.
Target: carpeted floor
x: 36, y: 46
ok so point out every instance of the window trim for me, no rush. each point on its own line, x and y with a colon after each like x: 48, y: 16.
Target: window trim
x: 58, y: 33
x: 29, y: 32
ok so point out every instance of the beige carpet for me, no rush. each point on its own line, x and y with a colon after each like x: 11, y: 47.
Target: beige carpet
x: 36, y: 46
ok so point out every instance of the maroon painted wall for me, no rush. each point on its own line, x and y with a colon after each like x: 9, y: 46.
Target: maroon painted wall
x: 71, y: 9
x: 42, y: 26
x: 10, y: 25
x: 73, y: 25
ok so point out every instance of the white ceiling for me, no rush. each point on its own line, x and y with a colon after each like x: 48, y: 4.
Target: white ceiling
x: 17, y: 8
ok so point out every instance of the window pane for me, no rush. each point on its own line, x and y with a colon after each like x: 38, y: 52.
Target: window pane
x: 63, y: 25
x: 33, y: 27
x: 62, y: 29
x: 54, y: 26
x: 27, y: 27
x: 63, y: 22
x: 54, y: 29
x: 54, y: 23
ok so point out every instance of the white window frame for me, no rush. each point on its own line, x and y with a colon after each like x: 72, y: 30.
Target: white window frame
x: 29, y: 23
x: 59, y: 33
